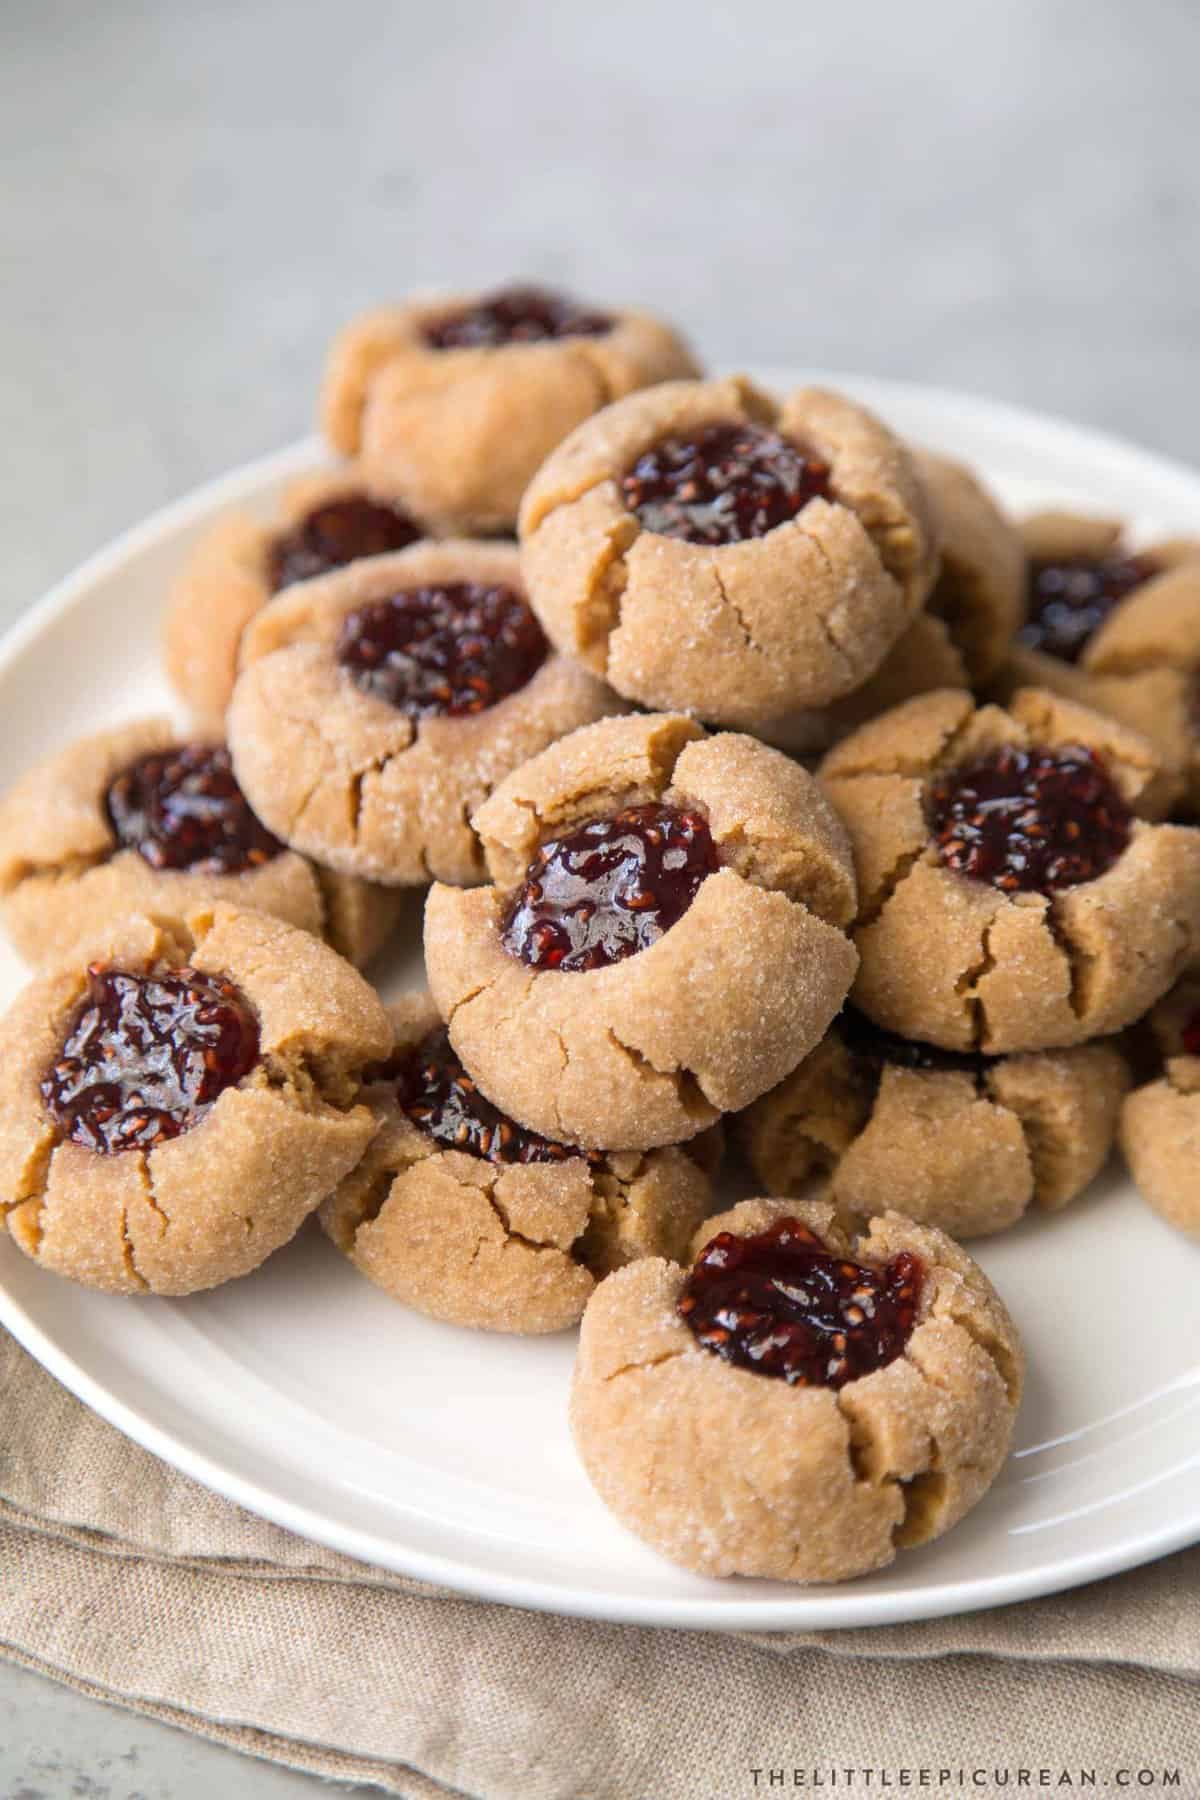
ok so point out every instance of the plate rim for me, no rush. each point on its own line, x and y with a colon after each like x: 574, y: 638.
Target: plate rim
x: 810, y: 1608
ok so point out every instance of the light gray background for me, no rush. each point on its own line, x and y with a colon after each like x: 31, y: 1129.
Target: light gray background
x: 194, y: 194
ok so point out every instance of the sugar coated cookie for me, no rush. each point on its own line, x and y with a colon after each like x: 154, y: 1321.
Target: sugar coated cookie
x: 453, y: 401
x: 952, y: 1138
x: 1015, y: 890
x: 662, y: 939
x: 176, y: 1103
x: 465, y: 1215
x: 379, y: 706
x: 135, y: 820
x: 711, y: 550
x: 802, y: 1402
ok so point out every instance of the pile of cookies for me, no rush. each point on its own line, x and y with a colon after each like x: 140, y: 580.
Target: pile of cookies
x: 772, y: 794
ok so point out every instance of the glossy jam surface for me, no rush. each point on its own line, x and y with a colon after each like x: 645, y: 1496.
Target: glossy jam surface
x: 722, y: 485
x: 146, y: 1056
x: 515, y: 315
x: 874, y: 1047
x: 1069, y: 599
x: 780, y: 1303
x: 338, y: 532
x: 437, y: 1094
x: 609, y: 888
x: 183, y: 809
x: 451, y: 650
x: 1190, y: 1034
x: 1030, y: 820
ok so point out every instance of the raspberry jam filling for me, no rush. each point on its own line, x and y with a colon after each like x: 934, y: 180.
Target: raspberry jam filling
x: 873, y: 1046
x: 515, y: 315
x: 780, y: 1303
x: 1030, y: 820
x: 609, y: 888
x: 450, y: 651
x: 436, y: 1093
x: 183, y: 809
x: 336, y: 533
x: 723, y: 484
x: 1070, y: 598
x: 146, y: 1056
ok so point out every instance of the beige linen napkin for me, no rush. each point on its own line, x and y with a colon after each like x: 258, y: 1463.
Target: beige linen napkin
x: 131, y: 1583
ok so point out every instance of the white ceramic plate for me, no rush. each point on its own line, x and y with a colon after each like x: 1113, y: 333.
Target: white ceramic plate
x: 305, y: 1395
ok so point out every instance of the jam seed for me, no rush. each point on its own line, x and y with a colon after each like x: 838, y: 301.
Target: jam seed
x: 450, y: 650
x: 726, y: 483
x: 776, y: 1303
x: 1049, y: 818
x: 434, y: 1090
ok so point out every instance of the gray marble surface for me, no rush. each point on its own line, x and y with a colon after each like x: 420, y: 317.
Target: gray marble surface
x: 193, y: 196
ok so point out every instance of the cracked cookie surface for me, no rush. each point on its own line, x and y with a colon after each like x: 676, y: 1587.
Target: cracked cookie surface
x: 652, y: 1048
x: 456, y: 1212
x: 966, y: 629
x: 729, y: 1471
x: 961, y: 1141
x: 367, y: 786
x: 1160, y: 1121
x: 1117, y: 629
x: 458, y: 420
x: 131, y: 820
x: 962, y: 963
x: 738, y: 629
x: 326, y: 521
x: 235, y: 1168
